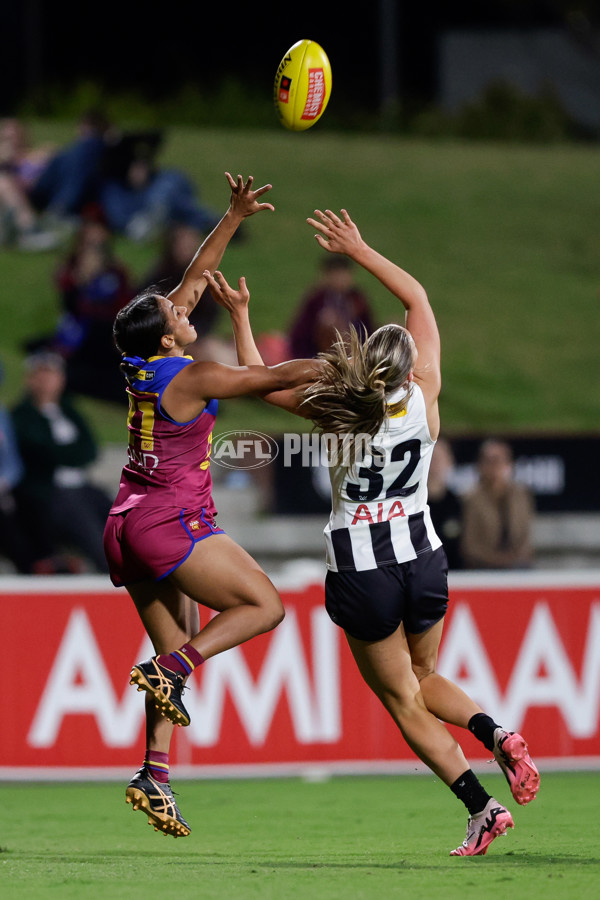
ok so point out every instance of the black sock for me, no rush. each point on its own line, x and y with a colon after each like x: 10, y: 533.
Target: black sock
x: 468, y: 789
x: 483, y: 728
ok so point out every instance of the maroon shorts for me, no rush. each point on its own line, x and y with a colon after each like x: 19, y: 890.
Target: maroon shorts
x: 151, y: 542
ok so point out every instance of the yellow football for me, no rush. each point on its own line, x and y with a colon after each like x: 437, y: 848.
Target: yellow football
x: 302, y: 85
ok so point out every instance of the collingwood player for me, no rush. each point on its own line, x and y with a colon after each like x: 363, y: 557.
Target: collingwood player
x: 386, y: 584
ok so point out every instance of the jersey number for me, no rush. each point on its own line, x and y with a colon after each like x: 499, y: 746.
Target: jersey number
x: 373, y: 474
x: 146, y: 426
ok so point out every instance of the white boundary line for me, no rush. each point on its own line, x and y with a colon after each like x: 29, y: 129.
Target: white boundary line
x: 301, y: 573
x: 316, y: 771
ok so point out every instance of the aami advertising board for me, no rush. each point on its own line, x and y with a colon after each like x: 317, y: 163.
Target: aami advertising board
x: 526, y: 647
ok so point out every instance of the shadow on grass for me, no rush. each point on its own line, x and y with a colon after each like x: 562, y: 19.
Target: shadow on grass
x: 514, y: 859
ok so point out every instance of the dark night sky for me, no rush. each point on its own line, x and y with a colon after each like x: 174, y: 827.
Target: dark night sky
x: 125, y: 44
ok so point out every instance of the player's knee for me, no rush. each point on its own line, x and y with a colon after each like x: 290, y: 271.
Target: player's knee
x: 403, y: 704
x: 273, y: 613
x: 423, y: 668
x: 401, y: 694
x: 268, y: 609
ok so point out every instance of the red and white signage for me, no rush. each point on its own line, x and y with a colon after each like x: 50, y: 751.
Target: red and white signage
x: 526, y: 648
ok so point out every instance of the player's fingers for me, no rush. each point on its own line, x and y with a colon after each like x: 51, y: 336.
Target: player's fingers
x: 220, y: 279
x: 230, y: 180
x: 333, y: 217
x: 319, y: 225
x: 346, y: 217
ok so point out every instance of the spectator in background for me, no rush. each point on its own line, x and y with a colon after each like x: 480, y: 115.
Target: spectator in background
x: 20, y: 166
x: 26, y: 161
x: 57, y: 500
x: 444, y: 504
x: 14, y: 543
x: 497, y: 514
x: 180, y: 244
x: 72, y: 176
x: 334, y: 302
x: 139, y: 198
x: 93, y: 285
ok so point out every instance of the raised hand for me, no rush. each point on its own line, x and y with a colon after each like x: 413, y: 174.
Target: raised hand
x: 244, y: 200
x: 224, y: 294
x: 337, y: 235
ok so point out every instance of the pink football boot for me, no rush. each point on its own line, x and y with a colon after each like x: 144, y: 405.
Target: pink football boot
x: 482, y: 828
x: 511, y: 754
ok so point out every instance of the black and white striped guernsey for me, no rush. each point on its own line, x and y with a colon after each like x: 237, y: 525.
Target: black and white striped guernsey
x: 379, y: 514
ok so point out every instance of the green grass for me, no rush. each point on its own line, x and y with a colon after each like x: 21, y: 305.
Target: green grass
x: 504, y: 237
x: 354, y: 838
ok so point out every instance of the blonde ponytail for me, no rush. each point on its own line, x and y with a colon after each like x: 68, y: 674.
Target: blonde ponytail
x: 350, y: 396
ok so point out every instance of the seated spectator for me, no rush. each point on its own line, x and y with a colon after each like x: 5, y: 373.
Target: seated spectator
x: 497, y: 514
x: 14, y: 543
x: 93, y: 284
x: 180, y: 243
x: 139, y: 198
x: 70, y: 180
x: 57, y: 500
x: 335, y: 302
x: 444, y: 504
x: 20, y: 165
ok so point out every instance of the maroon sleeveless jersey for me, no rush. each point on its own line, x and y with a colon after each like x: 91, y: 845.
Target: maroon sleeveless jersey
x: 168, y: 461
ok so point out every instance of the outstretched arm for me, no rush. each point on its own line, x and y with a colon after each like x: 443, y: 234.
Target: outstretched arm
x: 236, y: 302
x: 187, y: 394
x: 244, y: 202
x: 340, y: 235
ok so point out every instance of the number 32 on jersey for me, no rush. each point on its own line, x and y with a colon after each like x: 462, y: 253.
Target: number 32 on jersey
x: 384, y: 479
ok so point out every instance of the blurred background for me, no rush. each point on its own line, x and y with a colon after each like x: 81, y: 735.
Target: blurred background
x: 463, y: 139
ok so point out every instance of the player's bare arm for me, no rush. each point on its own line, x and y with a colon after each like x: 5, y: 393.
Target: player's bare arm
x: 237, y: 303
x: 190, y: 390
x: 339, y: 234
x: 245, y: 201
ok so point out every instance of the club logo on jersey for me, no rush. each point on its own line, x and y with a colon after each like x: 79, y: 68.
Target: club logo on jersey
x: 194, y: 526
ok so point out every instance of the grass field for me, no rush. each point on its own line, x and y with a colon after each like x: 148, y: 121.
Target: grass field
x: 361, y: 837
x: 504, y: 237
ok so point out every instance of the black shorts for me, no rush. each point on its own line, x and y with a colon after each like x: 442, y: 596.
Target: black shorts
x: 370, y: 605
